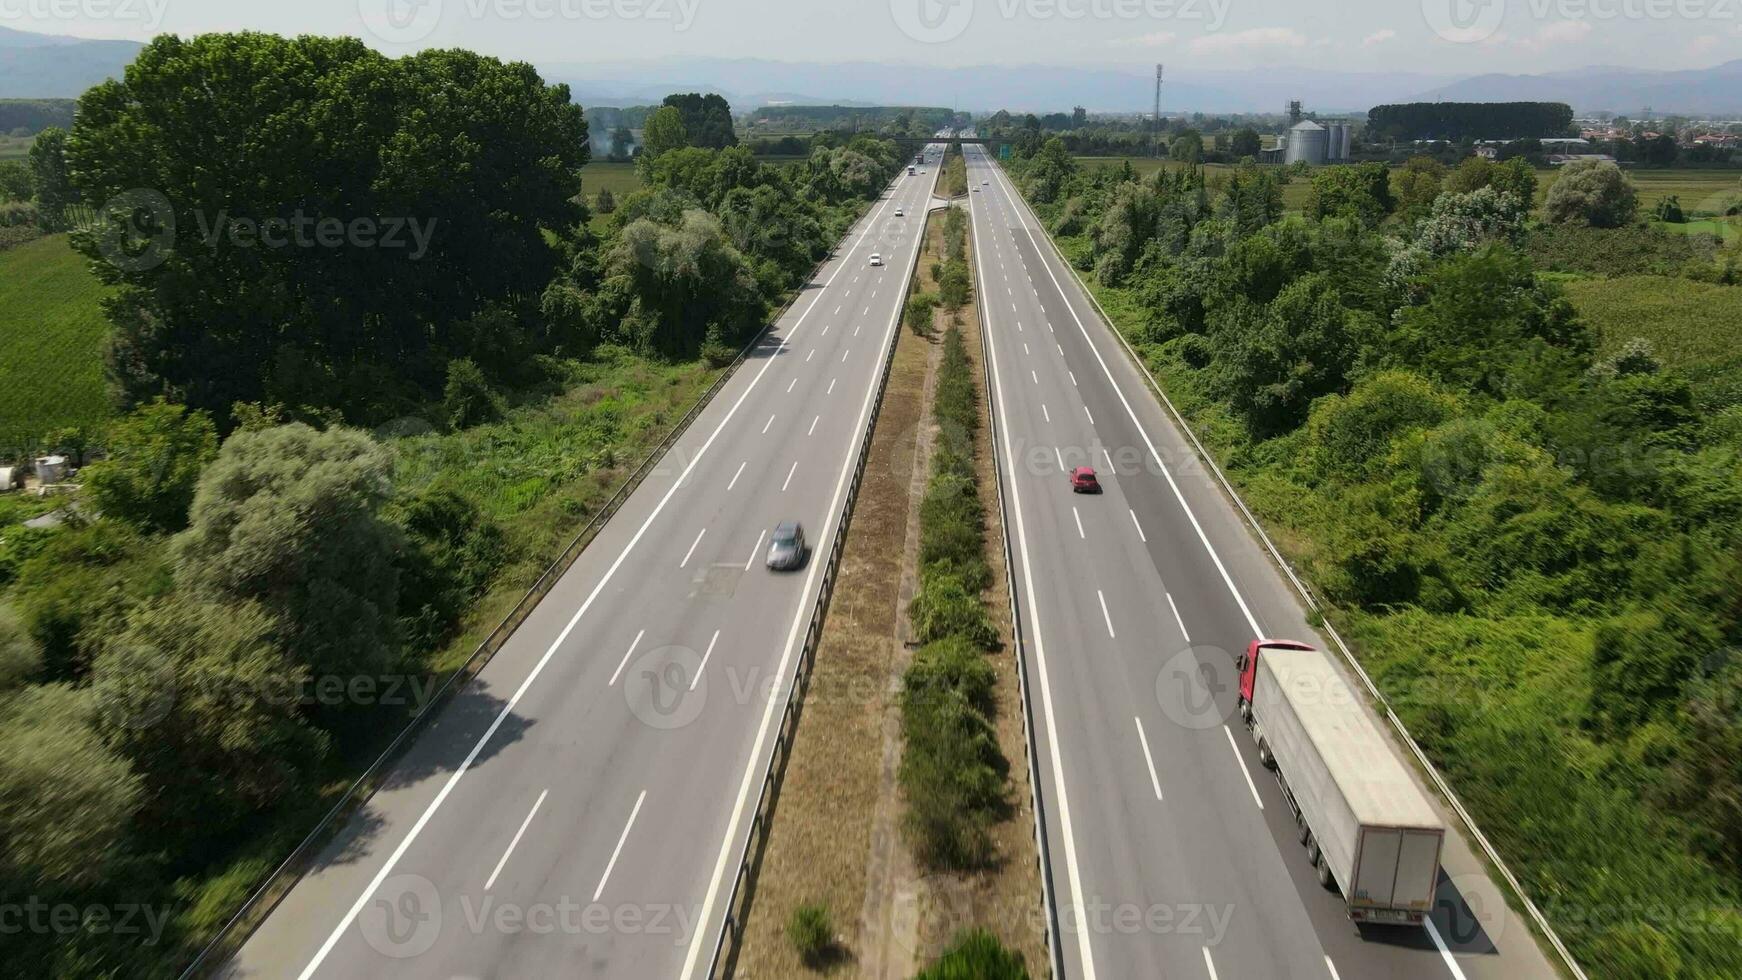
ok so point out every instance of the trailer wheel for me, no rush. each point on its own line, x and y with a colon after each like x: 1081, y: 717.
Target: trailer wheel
x: 1300, y: 822
x: 1325, y: 878
x: 1246, y: 713
x: 1314, y: 854
x: 1264, y: 755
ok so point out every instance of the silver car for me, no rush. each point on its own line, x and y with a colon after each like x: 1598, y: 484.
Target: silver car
x: 787, y: 550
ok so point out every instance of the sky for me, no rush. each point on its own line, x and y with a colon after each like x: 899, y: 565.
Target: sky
x: 1433, y: 36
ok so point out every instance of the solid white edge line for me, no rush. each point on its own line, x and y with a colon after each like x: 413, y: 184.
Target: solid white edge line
x: 1176, y: 616
x: 1248, y: 773
x: 1079, y: 906
x: 517, y: 835
x: 1148, y: 759
x: 441, y: 796
x: 1227, y: 578
x: 619, y: 849
x: 626, y: 655
x: 1445, y: 954
x: 699, y: 936
x: 691, y: 553
x: 704, y: 664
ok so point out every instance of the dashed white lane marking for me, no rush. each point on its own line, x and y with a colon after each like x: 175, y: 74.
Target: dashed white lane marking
x: 1209, y: 964
x: 770, y: 422
x: 807, y: 357
x: 741, y: 466
x: 1148, y: 759
x: 1140, y: 535
x: 619, y: 850
x: 1079, y: 519
x: 626, y: 655
x: 831, y: 386
x: 1181, y: 620
x: 789, y: 473
x: 1106, y: 615
x: 703, y: 665
x: 692, y: 551
x: 1090, y: 414
x: 1247, y: 772
x: 517, y: 835
x: 1046, y: 414
x: 812, y: 430
x: 756, y: 550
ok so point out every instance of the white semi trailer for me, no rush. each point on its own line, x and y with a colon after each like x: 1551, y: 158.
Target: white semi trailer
x: 1367, y: 827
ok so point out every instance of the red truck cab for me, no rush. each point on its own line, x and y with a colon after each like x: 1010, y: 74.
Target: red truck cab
x: 1248, y: 665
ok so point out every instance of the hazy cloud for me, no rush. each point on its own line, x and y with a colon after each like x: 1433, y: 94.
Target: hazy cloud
x: 1378, y: 37
x: 1255, y: 39
x: 1154, y: 39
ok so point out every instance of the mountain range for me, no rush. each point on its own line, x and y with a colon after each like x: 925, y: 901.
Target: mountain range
x: 49, y: 66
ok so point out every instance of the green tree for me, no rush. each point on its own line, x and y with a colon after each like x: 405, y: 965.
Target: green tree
x: 1271, y: 362
x: 605, y: 202
x: 16, y: 183
x: 1591, y: 192
x: 457, y: 162
x: 20, y: 655
x: 1245, y: 143
x: 70, y: 799
x: 1358, y: 191
x: 1187, y: 147
x: 206, y: 703
x: 468, y: 399
x: 707, y: 119
x: 289, y: 518
x: 155, y: 455
x: 663, y: 133
x: 1417, y: 183
x: 50, y: 175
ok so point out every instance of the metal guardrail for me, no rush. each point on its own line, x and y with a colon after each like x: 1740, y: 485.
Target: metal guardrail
x: 281, y: 879
x: 1055, y: 954
x: 738, y: 900
x: 1306, y: 594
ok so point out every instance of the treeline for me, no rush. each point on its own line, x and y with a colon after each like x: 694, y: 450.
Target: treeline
x: 1458, y: 121
x: 1536, y: 549
x: 27, y: 117
x: 953, y: 776
x: 888, y: 120
x: 247, y: 593
x: 1197, y: 138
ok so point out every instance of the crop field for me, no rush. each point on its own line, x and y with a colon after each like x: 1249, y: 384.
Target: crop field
x: 15, y: 147
x: 1695, y: 327
x: 51, y: 342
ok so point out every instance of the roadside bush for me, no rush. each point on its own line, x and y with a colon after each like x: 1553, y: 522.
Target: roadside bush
x: 944, y: 606
x: 811, y: 931
x: 953, y: 778
x: 468, y: 399
x: 976, y: 955
x: 155, y: 455
x: 1349, y: 435
x: 918, y: 312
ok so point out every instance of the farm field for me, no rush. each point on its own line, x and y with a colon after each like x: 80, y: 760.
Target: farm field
x: 1694, y: 327
x: 618, y: 178
x: 15, y: 147
x: 51, y: 342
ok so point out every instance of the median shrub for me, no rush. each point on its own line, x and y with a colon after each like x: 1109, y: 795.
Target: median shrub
x: 952, y: 774
x: 811, y: 931
x: 976, y: 955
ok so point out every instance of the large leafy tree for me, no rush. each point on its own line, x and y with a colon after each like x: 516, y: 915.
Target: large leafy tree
x: 317, y: 216
x: 1591, y: 192
x: 289, y: 518
x: 663, y: 133
x: 154, y: 460
x: 49, y: 178
x: 707, y: 119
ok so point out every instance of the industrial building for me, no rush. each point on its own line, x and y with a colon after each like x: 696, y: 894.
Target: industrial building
x: 1316, y: 143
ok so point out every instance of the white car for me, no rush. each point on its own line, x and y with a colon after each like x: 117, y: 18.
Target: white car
x: 876, y: 258
x: 983, y: 183
x: 899, y: 213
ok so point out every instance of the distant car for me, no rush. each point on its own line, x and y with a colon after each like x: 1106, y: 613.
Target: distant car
x: 974, y: 189
x: 787, y: 551
x: 899, y: 213
x: 1083, y: 480
x: 983, y: 183
x: 876, y: 259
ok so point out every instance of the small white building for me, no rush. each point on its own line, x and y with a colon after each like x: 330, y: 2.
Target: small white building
x: 51, y: 469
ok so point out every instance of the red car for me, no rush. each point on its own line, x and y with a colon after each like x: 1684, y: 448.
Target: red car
x: 1083, y: 480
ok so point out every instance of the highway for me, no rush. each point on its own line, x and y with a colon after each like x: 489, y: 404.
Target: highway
x: 580, y: 809
x: 1172, y: 850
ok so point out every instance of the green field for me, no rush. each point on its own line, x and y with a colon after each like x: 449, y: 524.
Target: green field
x: 1694, y: 327
x: 15, y: 147
x: 618, y: 178
x: 51, y: 342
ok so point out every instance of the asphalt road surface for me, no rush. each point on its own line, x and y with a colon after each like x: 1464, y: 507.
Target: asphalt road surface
x: 1173, y: 853
x: 580, y: 809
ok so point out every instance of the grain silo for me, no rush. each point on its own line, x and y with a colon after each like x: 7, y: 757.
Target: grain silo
x: 1308, y: 142
x: 1337, y: 141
